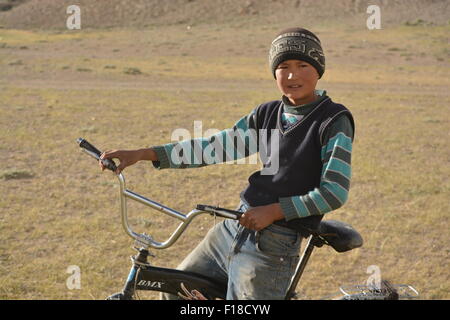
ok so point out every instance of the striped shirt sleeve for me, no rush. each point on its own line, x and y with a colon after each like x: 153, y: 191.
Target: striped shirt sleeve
x: 334, y: 186
x: 231, y: 144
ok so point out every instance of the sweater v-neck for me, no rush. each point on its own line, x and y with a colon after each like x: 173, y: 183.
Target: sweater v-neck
x: 303, y: 110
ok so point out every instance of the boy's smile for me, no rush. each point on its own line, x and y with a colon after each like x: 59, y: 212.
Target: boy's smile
x: 297, y: 80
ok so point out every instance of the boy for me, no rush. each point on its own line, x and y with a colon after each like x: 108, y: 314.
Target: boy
x: 256, y: 256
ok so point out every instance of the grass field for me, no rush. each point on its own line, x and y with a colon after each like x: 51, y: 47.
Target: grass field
x: 130, y: 88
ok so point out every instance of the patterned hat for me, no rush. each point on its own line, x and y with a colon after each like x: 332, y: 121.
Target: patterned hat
x: 297, y: 43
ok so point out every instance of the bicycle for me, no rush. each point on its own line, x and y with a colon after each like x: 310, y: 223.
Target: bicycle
x: 143, y: 276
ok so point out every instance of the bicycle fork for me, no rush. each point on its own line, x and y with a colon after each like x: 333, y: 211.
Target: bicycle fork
x: 133, y: 279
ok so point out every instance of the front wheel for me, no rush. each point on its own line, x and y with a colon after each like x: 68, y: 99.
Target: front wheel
x: 119, y: 296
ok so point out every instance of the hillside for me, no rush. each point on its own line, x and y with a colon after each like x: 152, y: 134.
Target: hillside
x: 50, y: 14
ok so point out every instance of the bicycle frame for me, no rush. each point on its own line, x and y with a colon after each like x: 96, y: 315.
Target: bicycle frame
x: 143, y: 276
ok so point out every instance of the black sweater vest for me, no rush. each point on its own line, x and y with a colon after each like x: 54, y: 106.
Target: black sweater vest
x: 299, y: 158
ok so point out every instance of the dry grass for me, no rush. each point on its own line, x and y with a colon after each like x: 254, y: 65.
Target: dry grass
x: 66, y: 212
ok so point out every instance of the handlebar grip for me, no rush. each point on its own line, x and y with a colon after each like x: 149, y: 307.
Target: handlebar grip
x: 94, y: 152
x: 88, y: 147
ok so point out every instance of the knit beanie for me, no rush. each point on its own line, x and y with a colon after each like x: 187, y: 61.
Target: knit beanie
x: 299, y: 44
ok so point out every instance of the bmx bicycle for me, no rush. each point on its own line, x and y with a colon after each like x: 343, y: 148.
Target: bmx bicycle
x: 144, y: 276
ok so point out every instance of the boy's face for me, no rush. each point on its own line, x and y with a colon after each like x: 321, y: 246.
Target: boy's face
x: 297, y: 80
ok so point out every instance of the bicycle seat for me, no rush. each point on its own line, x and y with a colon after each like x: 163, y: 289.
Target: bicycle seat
x: 339, y: 235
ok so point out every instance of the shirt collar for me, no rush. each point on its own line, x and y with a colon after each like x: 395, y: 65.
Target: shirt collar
x: 303, y: 108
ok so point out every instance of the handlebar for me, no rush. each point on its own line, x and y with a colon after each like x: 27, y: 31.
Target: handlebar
x: 144, y: 239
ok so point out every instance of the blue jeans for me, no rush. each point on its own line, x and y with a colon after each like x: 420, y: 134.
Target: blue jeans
x: 255, y: 264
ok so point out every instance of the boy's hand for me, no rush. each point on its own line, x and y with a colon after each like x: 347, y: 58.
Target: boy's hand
x: 128, y: 157
x: 260, y: 217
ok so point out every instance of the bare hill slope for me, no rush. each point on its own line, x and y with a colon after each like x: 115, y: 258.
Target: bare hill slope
x: 50, y: 14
